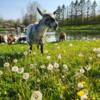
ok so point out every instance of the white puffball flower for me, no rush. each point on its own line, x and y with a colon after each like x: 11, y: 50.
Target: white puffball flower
x: 26, y: 76
x: 6, y: 64
x: 25, y: 53
x: 82, y: 71
x: 81, y: 55
x: 42, y: 66
x: 58, y: 47
x: 14, y: 69
x: 98, y: 55
x: 46, y: 51
x: 36, y: 95
x: 20, y: 70
x: 48, y: 57
x: 96, y: 50
x: 65, y: 67
x: 84, y: 97
x: 50, y: 67
x: 90, y: 58
x: 56, y: 65
x: 15, y: 60
x: 88, y: 67
x: 59, y: 56
x: 1, y: 72
x: 80, y: 85
x: 34, y: 53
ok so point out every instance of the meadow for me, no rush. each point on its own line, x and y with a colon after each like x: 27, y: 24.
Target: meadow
x: 68, y: 70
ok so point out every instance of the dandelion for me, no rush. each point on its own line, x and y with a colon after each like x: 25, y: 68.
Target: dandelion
x: 14, y: 69
x: 1, y: 72
x: 42, y: 66
x: 25, y: 53
x: 94, y: 50
x: 56, y: 65
x: 48, y: 57
x: 84, y: 97
x: 34, y: 53
x: 20, y: 70
x: 81, y: 55
x: 90, y: 58
x: 26, y: 76
x: 58, y: 47
x: 88, y: 68
x: 59, y: 56
x: 80, y: 85
x: 82, y: 71
x: 6, y: 64
x: 97, y: 50
x: 98, y: 55
x: 46, y: 51
x: 65, y: 67
x: 15, y: 60
x: 36, y: 95
x: 80, y: 93
x: 70, y: 44
x: 50, y: 67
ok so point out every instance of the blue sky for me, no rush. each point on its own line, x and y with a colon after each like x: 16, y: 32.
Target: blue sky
x: 13, y: 9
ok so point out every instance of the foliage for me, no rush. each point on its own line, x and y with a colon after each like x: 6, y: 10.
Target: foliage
x: 67, y: 70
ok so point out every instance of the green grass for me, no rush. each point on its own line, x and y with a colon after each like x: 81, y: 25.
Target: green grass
x: 81, y: 30
x: 57, y: 83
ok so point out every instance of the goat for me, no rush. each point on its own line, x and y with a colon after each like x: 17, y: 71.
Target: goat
x: 35, y: 32
x: 1, y: 39
x: 62, y: 36
x: 10, y: 39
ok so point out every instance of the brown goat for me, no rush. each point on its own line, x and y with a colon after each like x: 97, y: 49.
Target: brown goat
x: 10, y: 39
x: 62, y: 36
x: 1, y: 39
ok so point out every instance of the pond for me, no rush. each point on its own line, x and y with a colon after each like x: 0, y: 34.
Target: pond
x: 52, y: 37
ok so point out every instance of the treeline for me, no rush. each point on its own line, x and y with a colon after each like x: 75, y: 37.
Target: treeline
x: 78, y: 13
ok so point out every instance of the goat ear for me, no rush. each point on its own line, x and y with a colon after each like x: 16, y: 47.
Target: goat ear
x: 39, y: 12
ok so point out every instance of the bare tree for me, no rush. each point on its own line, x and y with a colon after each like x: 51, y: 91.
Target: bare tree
x: 31, y: 14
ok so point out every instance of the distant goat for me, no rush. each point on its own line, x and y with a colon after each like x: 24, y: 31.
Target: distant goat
x: 10, y: 39
x: 1, y: 39
x: 35, y: 32
x: 62, y: 36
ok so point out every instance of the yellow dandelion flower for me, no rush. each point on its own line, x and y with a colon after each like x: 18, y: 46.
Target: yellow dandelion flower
x: 83, y: 82
x: 80, y: 93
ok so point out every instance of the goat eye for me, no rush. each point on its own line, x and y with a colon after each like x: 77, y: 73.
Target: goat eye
x: 47, y: 20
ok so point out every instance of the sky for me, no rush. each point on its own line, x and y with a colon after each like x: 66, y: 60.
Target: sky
x: 14, y: 9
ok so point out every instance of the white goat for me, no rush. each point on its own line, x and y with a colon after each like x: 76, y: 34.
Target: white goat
x: 35, y: 32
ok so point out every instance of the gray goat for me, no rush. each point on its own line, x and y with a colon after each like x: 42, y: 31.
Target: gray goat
x: 36, y: 32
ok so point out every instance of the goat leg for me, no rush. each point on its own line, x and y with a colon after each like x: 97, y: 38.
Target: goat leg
x: 41, y: 48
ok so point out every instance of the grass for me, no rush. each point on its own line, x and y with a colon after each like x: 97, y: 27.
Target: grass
x: 67, y: 70
x: 83, y: 30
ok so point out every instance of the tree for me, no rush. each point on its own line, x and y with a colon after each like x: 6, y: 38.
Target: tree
x: 31, y: 14
x: 88, y: 9
x: 63, y: 11
x: 82, y: 9
x: 94, y: 5
x: 58, y: 13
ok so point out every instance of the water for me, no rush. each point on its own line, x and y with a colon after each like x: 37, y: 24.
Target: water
x: 52, y: 37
